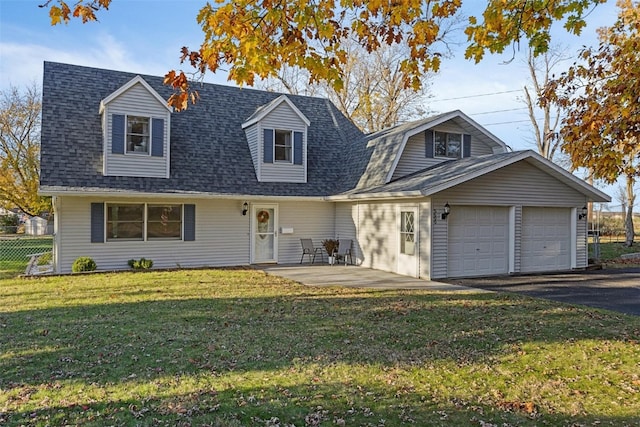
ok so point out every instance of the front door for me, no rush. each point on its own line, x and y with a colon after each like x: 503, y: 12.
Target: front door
x: 265, y: 233
x: 408, y: 243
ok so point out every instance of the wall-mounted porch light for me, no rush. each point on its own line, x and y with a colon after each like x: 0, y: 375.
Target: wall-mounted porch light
x: 245, y: 208
x: 583, y: 213
x: 447, y: 211
x: 443, y: 214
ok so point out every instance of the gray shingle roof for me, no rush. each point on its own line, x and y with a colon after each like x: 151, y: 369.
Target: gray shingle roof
x: 209, y: 151
x: 438, y: 175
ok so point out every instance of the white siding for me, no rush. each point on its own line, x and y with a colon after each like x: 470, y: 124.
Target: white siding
x: 377, y: 235
x: 517, y: 184
x: 424, y: 212
x: 253, y: 139
x: 413, y: 157
x: 312, y: 220
x: 346, y: 227
x: 222, y: 235
x: 582, y: 252
x: 283, y: 117
x: 136, y: 101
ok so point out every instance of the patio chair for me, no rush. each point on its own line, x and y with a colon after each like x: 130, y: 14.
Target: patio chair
x: 308, y: 249
x: 344, y: 251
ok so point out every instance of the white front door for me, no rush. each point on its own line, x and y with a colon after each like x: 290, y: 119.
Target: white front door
x: 408, y: 242
x: 264, y: 235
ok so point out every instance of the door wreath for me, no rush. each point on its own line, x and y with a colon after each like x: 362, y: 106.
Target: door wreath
x: 263, y: 217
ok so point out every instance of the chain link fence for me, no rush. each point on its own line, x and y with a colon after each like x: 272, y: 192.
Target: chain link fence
x: 19, y: 251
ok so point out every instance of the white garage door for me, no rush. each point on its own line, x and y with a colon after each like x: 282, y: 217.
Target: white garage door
x: 478, y: 241
x: 546, y: 239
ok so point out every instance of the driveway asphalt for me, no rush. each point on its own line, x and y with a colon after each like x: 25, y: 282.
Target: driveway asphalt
x: 615, y: 289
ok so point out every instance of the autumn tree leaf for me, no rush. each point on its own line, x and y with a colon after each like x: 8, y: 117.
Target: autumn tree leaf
x: 256, y: 38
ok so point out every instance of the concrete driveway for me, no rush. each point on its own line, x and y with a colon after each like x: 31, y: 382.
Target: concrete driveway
x: 615, y: 289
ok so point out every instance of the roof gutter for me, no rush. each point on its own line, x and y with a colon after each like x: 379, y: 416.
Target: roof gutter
x: 194, y: 195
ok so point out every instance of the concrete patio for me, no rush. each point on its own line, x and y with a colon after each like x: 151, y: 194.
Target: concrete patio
x: 356, y: 277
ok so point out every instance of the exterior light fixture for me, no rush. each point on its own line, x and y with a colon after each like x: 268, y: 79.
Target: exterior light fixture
x: 441, y: 214
x: 583, y: 213
x: 245, y: 208
x: 447, y: 211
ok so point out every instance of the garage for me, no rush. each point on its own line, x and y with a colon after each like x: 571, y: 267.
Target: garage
x: 546, y: 239
x: 478, y: 241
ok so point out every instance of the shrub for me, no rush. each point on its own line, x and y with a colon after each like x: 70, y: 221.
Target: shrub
x: 84, y: 263
x: 141, y: 264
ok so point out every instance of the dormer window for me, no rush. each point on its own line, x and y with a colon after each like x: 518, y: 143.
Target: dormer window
x: 138, y: 134
x: 448, y: 144
x: 136, y: 126
x: 283, y: 146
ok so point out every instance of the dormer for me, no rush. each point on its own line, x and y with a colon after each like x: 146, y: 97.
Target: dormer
x: 135, y: 128
x: 277, y: 136
x: 449, y: 136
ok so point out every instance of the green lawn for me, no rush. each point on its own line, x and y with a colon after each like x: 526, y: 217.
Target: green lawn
x: 613, y: 250
x: 240, y: 348
x: 13, y: 253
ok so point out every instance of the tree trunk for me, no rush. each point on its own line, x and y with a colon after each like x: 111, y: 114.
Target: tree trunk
x: 628, y: 222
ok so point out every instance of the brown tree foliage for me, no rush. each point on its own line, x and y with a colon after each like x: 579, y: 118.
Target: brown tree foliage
x: 20, y: 151
x: 256, y: 38
x: 600, y: 94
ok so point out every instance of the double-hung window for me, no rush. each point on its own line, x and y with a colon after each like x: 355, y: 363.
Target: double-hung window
x: 128, y: 221
x: 125, y: 221
x: 283, y: 146
x: 138, y: 134
x: 164, y: 221
x: 448, y: 144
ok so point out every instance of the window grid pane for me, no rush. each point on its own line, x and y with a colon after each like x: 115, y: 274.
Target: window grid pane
x: 407, y: 233
x: 447, y: 144
x: 164, y: 222
x: 125, y: 222
x: 282, y: 146
x: 137, y: 134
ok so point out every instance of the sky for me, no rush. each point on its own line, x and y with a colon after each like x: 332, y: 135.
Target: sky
x: 145, y: 36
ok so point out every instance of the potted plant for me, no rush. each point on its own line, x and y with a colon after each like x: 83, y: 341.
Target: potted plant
x: 331, y: 246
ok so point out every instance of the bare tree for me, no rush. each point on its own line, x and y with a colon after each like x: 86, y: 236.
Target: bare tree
x: 545, y: 131
x: 20, y: 151
x: 373, y: 95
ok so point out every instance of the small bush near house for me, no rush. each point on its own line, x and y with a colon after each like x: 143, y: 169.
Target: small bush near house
x: 84, y: 263
x: 141, y: 264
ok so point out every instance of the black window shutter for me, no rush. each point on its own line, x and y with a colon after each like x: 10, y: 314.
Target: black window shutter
x: 428, y: 137
x: 297, y: 148
x: 117, y: 134
x: 268, y: 146
x: 466, y: 145
x: 189, y: 223
x: 157, y: 137
x: 97, y: 222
